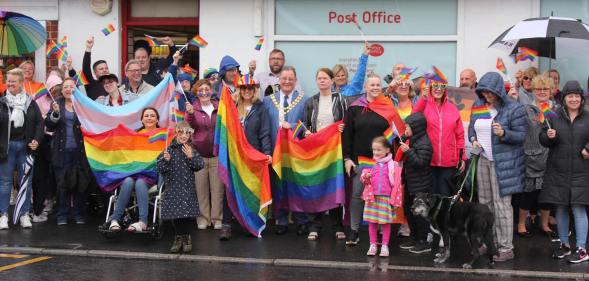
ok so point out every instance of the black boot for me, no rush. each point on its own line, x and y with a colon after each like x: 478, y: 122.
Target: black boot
x: 177, y: 244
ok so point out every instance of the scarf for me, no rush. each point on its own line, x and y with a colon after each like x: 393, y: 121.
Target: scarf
x: 17, y: 103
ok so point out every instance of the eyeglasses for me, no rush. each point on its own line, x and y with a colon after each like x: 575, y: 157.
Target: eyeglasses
x: 527, y: 78
x: 542, y: 89
x: 133, y: 70
x: 439, y: 86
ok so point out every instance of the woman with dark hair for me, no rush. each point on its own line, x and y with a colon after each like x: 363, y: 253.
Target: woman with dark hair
x: 567, y: 177
x: 149, y: 121
x: 68, y: 156
x: 322, y: 110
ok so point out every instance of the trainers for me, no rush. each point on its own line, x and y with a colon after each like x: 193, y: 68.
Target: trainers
x: 4, y: 222
x: 384, y: 251
x: 408, y: 245
x: 579, y: 256
x: 504, y: 256
x: 372, y: 250
x: 61, y: 221
x: 40, y: 218
x: 561, y: 252
x: 80, y: 221
x: 48, y: 209
x: 353, y: 239
x: 218, y: 226
x: 313, y: 235
x: 202, y: 226
x: 25, y: 221
x: 225, y: 233
x: 420, y: 247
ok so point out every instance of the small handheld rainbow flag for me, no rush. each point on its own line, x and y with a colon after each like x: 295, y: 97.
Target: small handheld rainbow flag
x: 545, y: 112
x: 299, y: 128
x: 158, y: 135
x: 108, y: 30
x: 178, y: 115
x: 406, y: 72
x: 481, y: 112
x: 365, y: 163
x: 501, y: 66
x: 259, y: 44
x: 51, y: 48
x: 391, y: 133
x: 41, y: 92
x: 152, y: 41
x: 62, y: 54
x: 63, y: 42
x: 189, y: 70
x: 81, y: 79
x: 525, y: 54
x: 198, y: 41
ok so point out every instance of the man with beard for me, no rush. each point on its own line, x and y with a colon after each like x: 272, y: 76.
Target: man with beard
x: 269, y: 80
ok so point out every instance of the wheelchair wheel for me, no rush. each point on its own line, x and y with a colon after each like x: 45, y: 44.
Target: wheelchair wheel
x: 105, y: 231
x: 156, y: 231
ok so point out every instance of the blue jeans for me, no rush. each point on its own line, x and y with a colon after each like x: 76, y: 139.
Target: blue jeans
x: 562, y: 220
x: 125, y: 191
x: 17, y: 154
x: 298, y: 217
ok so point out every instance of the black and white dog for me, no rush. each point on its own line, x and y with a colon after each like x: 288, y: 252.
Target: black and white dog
x: 473, y: 220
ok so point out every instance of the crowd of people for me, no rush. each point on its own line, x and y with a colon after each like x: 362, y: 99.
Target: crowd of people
x: 540, y: 167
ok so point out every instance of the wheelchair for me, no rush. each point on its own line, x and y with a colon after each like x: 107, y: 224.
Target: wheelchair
x: 131, y: 214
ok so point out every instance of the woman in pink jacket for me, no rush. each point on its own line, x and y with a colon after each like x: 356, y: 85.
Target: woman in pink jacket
x: 445, y: 131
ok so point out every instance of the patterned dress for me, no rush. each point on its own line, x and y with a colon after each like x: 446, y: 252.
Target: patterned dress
x: 179, y: 197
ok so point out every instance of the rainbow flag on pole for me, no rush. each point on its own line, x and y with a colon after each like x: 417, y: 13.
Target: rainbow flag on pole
x: 242, y: 169
x: 525, y: 54
x: 391, y: 133
x: 501, y: 66
x: 299, y: 128
x: 198, y: 41
x: 545, y: 112
x: 480, y: 112
x: 152, y: 41
x: 311, y: 171
x: 81, y: 78
x: 40, y: 92
x: 259, y: 44
x: 365, y: 163
x: 108, y: 30
x: 52, y: 48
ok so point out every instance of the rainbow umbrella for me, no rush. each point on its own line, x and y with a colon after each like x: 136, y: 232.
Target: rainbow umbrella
x: 20, y: 34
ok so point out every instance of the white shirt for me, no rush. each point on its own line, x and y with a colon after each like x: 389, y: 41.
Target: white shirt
x: 325, y: 113
x: 281, y: 115
x: 484, y: 131
x: 269, y: 79
x: 208, y: 109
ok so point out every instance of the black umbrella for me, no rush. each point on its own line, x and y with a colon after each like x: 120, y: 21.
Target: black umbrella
x: 551, y: 37
x: 25, y: 181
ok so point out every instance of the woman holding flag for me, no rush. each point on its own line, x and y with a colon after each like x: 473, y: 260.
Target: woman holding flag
x: 536, y: 155
x: 368, y: 117
x: 498, y: 126
x: 149, y: 120
x: 322, y: 110
x: 565, y: 182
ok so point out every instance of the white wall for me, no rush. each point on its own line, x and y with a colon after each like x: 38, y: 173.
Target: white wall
x: 485, y: 20
x: 78, y: 22
x: 228, y: 27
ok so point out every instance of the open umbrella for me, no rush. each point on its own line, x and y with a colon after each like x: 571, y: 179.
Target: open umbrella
x: 20, y: 34
x: 551, y: 37
x: 24, y: 183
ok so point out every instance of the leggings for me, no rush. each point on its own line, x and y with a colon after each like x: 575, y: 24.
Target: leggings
x: 373, y: 233
x: 182, y: 226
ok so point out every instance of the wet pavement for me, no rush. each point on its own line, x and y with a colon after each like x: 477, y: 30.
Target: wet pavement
x: 76, y: 268
x: 532, y: 254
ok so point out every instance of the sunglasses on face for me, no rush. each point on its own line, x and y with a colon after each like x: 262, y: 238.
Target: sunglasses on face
x: 542, y: 89
x: 439, y: 86
x: 184, y: 132
x: 527, y: 78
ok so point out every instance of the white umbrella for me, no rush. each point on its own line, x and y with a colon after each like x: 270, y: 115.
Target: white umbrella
x: 24, y: 183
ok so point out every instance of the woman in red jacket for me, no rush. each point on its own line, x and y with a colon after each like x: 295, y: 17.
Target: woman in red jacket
x: 445, y: 131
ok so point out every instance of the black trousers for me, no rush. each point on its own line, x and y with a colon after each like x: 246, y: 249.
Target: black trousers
x: 419, y: 226
x: 335, y: 217
x: 182, y: 226
x: 44, y: 185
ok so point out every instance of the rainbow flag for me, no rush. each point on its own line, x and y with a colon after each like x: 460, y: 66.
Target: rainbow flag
x: 480, y: 112
x: 152, y: 41
x: 51, y: 48
x: 365, y: 163
x: 108, y: 30
x: 299, y: 128
x: 120, y: 153
x: 178, y: 115
x: 501, y: 66
x: 63, y: 42
x: 160, y: 134
x: 438, y: 76
x: 391, y: 133
x: 525, y: 54
x: 545, y: 112
x: 259, y: 44
x: 242, y: 169
x: 81, y: 78
x: 198, y: 41
x: 62, y: 54
x: 187, y: 69
x: 40, y: 92
x: 406, y: 72
x: 311, y: 171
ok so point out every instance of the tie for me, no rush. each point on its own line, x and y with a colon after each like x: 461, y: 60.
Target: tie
x: 285, y: 104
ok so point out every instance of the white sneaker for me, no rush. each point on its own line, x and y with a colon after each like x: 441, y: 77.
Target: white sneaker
x: 372, y: 250
x: 218, y: 226
x: 48, y: 206
x: 4, y: 222
x: 384, y: 251
x: 202, y: 226
x: 40, y: 218
x: 25, y: 221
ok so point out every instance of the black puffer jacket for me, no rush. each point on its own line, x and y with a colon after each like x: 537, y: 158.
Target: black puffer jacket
x: 33, y: 125
x: 566, y: 181
x: 417, y: 172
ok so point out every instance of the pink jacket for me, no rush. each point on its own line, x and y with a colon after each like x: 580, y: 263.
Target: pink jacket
x: 444, y: 129
x: 385, y: 180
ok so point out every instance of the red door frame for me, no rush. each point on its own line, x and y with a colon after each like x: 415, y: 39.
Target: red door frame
x: 127, y: 20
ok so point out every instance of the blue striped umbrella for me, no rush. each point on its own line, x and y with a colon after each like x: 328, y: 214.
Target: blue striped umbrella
x: 20, y: 34
x: 25, y: 181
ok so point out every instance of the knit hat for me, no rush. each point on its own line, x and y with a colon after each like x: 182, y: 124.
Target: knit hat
x: 572, y: 87
x: 52, y: 81
x: 208, y: 72
x: 185, y: 77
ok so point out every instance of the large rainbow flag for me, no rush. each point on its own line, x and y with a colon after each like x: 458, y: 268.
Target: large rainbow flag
x: 121, y: 152
x: 311, y: 170
x: 242, y: 169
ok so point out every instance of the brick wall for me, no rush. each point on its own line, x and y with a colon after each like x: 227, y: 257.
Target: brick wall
x: 52, y: 31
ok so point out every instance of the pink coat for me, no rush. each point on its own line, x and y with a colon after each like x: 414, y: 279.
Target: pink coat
x: 390, y: 182
x: 444, y: 129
